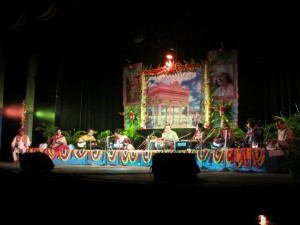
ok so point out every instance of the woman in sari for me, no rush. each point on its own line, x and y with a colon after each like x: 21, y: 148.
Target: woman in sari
x: 59, y: 141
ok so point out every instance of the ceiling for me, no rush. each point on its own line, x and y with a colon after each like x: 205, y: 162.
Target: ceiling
x: 137, y: 31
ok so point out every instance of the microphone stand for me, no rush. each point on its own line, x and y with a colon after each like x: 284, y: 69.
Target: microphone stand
x: 144, y: 142
x: 225, y: 150
x: 107, y: 143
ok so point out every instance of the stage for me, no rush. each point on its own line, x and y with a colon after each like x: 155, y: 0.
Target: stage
x: 238, y: 159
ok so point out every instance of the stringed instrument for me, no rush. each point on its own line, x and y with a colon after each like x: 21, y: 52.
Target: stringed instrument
x: 82, y: 143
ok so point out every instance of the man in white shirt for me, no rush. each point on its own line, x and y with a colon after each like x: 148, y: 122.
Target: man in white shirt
x: 20, y: 144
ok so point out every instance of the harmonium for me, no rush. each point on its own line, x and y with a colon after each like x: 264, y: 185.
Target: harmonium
x: 182, y: 145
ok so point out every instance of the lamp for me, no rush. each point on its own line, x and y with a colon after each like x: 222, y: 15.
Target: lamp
x: 170, y: 59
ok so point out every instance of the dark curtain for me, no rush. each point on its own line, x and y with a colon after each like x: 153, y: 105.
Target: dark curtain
x: 91, y: 95
x: 268, y: 85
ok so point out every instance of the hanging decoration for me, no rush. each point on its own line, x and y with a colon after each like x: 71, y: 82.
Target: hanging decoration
x: 23, y: 118
x: 207, y: 98
x: 131, y: 115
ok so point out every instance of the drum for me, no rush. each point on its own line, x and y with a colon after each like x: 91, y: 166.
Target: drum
x: 151, y: 145
x: 217, y: 145
x: 81, y: 144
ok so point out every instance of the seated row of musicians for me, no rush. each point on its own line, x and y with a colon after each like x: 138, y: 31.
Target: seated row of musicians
x: 88, y: 141
x: 198, y: 141
x: 253, y: 138
x: 169, y: 138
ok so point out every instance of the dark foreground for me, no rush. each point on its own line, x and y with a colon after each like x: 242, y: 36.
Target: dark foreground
x: 103, y: 194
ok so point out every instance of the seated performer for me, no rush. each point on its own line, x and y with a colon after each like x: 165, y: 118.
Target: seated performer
x: 169, y: 137
x: 59, y: 141
x: 224, y: 136
x: 20, y: 144
x: 121, y: 141
x: 88, y: 140
x: 255, y: 135
x: 198, y: 140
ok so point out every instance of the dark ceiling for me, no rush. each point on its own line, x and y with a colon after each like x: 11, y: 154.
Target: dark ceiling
x: 133, y: 32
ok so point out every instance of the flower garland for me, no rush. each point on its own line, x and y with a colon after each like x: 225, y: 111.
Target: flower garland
x: 238, y: 159
x: 259, y: 157
x: 23, y: 119
x: 51, y: 153
x: 131, y: 156
x: 64, y: 154
x: 178, y: 67
x: 218, y: 155
x: 96, y: 155
x: 147, y: 156
x: 79, y: 154
x: 229, y: 156
x: 202, y: 155
x: 112, y: 155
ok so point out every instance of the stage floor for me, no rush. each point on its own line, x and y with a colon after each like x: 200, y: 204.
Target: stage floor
x: 144, y: 175
x: 122, y: 194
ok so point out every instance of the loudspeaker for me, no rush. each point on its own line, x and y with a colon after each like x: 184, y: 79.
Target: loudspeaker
x: 174, y: 166
x: 36, y: 162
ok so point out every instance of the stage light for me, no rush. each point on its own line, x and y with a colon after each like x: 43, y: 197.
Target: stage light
x: 13, y: 111
x: 44, y: 114
x: 170, y: 59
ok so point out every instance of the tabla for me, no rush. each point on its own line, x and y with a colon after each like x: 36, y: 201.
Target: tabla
x: 81, y: 144
x: 217, y: 145
x: 151, y: 145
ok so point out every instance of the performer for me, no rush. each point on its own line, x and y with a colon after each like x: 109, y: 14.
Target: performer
x: 88, y: 140
x: 59, y: 141
x: 169, y: 137
x: 285, y: 136
x: 255, y: 135
x: 198, y: 141
x: 19, y: 144
x: 121, y: 141
x: 224, y: 136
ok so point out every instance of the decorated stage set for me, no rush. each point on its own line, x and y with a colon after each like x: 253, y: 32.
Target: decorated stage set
x: 182, y: 96
x: 240, y: 159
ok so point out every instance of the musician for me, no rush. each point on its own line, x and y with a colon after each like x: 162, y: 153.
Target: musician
x: 198, y: 141
x: 20, y: 144
x: 169, y: 136
x: 121, y: 141
x: 59, y: 141
x: 88, y: 140
x: 224, y: 136
x: 255, y: 134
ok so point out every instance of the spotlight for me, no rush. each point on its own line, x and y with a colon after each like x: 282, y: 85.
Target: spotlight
x: 170, y: 59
